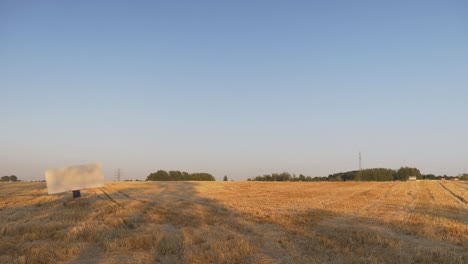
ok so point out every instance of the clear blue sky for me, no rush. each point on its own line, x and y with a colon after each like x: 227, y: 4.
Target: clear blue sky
x: 237, y: 88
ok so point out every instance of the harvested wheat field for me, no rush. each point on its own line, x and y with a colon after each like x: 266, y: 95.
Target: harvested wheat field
x: 237, y: 222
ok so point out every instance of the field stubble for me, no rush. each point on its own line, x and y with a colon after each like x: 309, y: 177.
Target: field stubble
x: 237, y: 222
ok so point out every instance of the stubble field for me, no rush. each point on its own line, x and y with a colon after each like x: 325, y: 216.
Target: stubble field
x: 237, y: 222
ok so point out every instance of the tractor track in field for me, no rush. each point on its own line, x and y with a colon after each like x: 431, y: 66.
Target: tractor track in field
x: 124, y: 194
x: 128, y: 196
x: 461, y: 186
x: 110, y: 198
x: 373, y: 206
x: 458, y: 197
x: 411, y: 210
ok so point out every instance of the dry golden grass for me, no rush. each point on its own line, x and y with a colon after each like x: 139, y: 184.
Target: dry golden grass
x: 237, y: 222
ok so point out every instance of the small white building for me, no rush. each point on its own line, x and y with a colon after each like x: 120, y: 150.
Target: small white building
x: 412, y: 178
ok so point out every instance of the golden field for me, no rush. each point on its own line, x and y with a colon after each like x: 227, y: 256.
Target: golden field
x: 237, y: 222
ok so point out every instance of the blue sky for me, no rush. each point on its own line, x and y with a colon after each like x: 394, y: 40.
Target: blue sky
x: 237, y: 88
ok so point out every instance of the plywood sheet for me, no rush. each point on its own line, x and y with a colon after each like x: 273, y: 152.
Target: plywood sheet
x: 74, y: 178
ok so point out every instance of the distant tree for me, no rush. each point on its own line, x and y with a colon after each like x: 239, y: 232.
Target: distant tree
x: 160, y: 175
x: 302, y: 177
x: 343, y: 176
x: 358, y: 176
x: 202, y: 176
x: 317, y: 178
x: 285, y: 176
x: 294, y: 178
x: 225, y: 178
x: 5, y: 179
x: 13, y: 178
x: 404, y: 173
x: 377, y: 174
x: 175, y: 176
x: 428, y: 177
x: 337, y: 178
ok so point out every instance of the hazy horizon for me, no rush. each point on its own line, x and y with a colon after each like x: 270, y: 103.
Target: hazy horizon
x: 238, y: 89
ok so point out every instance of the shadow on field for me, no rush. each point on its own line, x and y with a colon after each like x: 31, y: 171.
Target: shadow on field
x: 173, y: 223
x: 170, y: 222
x: 447, y: 213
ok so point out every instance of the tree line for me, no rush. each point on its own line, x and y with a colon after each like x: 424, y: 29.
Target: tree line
x: 377, y: 174
x: 11, y: 178
x: 162, y: 175
x: 374, y: 174
x: 285, y: 176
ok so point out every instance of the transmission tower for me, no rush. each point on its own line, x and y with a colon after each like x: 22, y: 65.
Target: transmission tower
x: 360, y: 161
x: 117, y: 175
x: 360, y: 166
